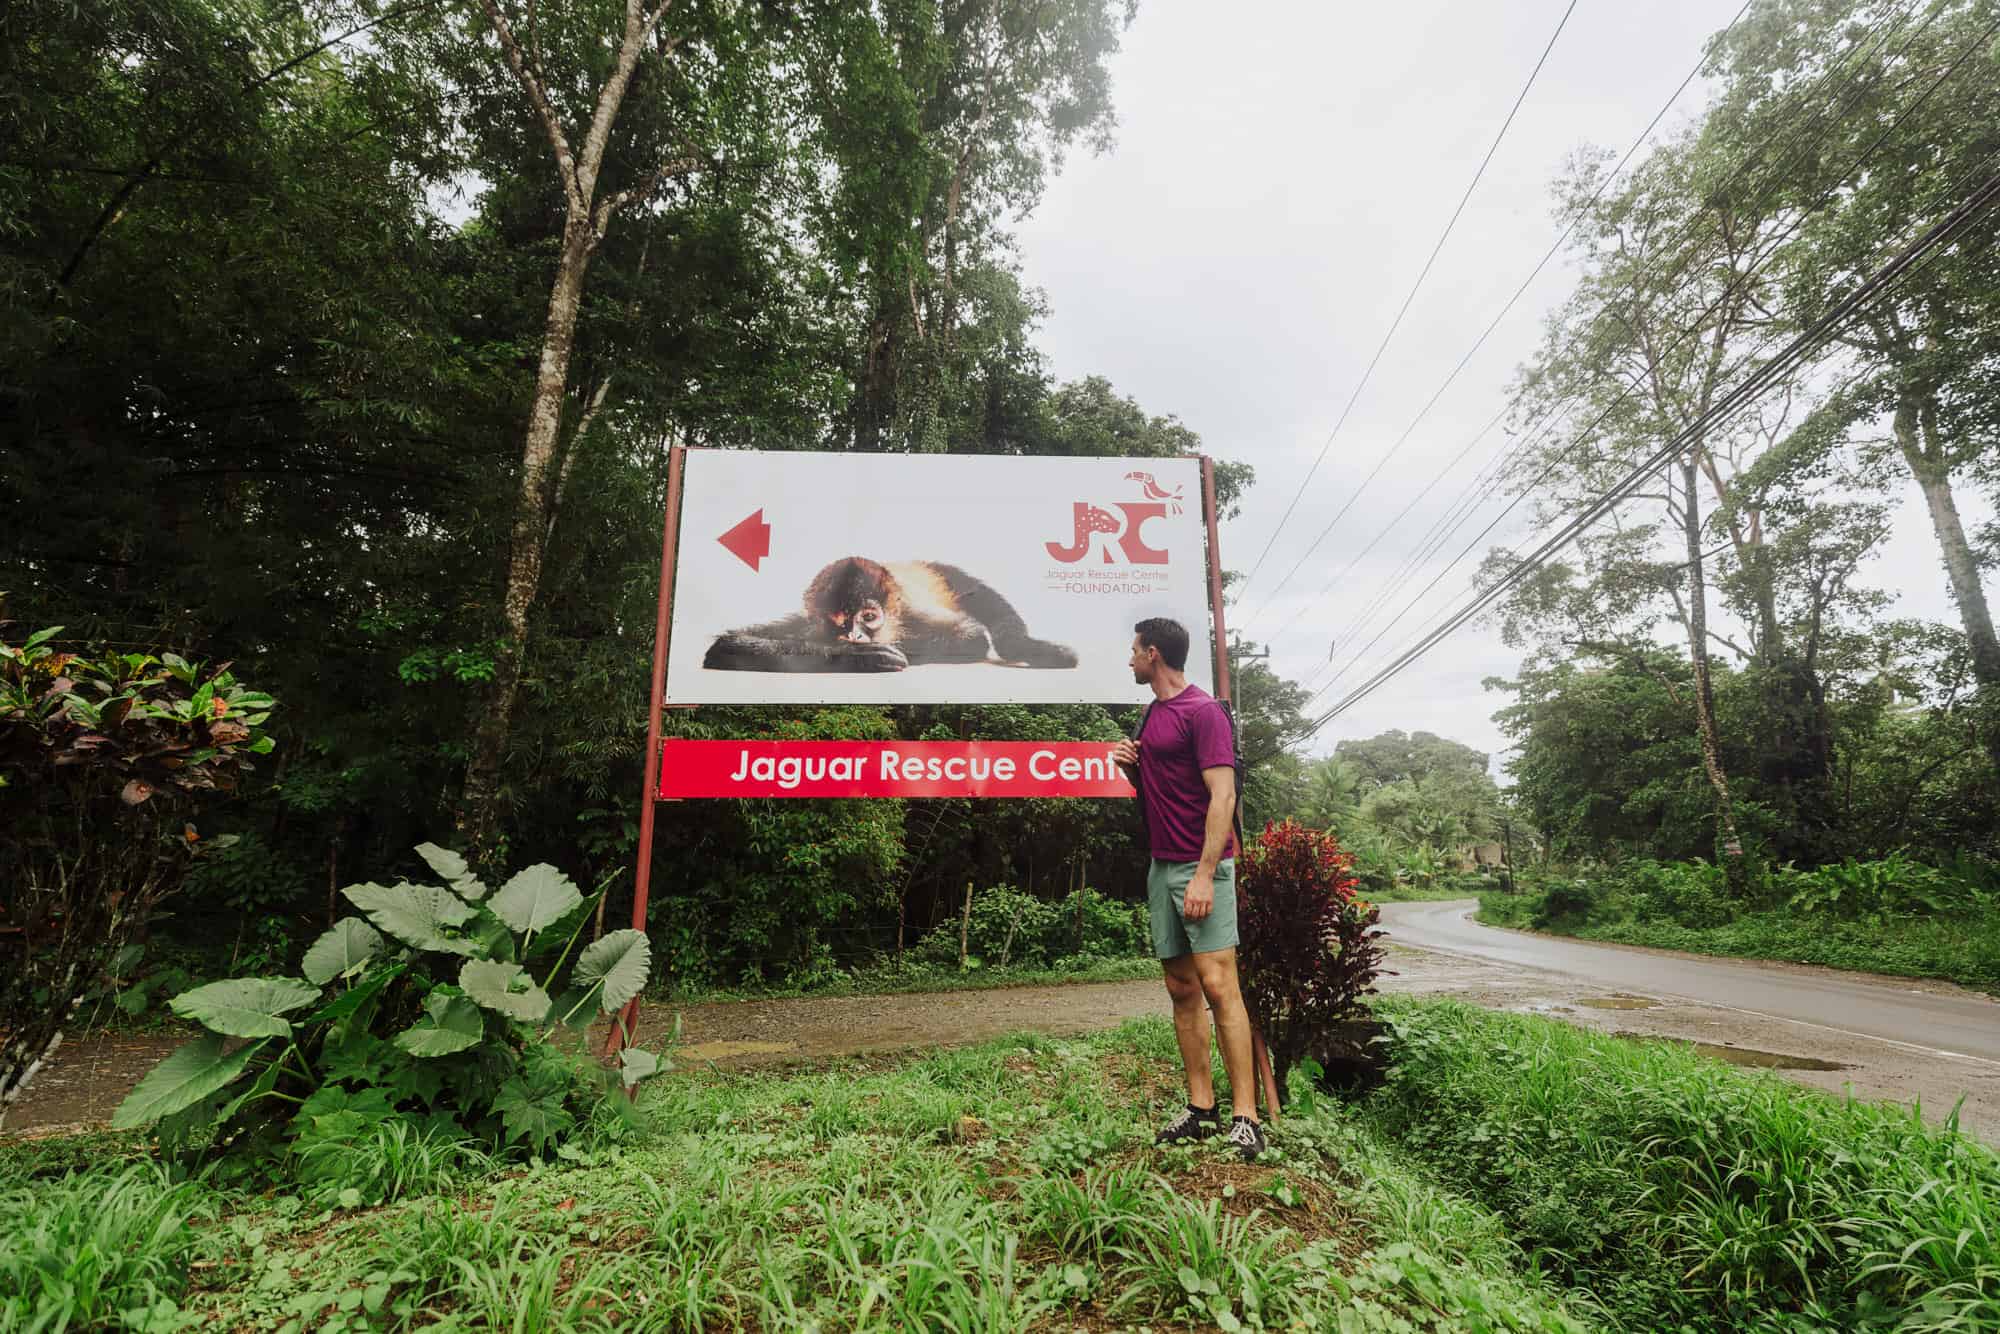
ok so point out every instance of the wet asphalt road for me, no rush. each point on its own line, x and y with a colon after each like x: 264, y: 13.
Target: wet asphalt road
x: 1923, y: 1017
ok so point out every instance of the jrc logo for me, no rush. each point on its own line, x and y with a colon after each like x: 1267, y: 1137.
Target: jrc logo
x: 1090, y: 520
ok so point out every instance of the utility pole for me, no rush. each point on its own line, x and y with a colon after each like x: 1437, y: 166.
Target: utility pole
x: 1240, y: 654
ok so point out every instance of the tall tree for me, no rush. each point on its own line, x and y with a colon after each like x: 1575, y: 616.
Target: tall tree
x: 938, y: 118
x: 603, y: 163
x: 1662, y: 324
x: 1922, y: 109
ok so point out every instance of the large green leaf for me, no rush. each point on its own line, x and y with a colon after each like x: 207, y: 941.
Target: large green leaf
x: 576, y: 1007
x: 246, y: 1007
x: 196, y: 1071
x: 556, y: 936
x: 351, y: 1000
x: 454, y: 1024
x: 505, y: 988
x: 341, y: 952
x: 454, y: 870
x: 535, y: 898
x: 417, y: 915
x: 620, y: 960
x: 636, y: 1063
x: 533, y: 1112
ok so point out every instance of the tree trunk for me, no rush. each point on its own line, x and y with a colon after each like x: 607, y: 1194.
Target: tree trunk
x: 965, y: 926
x: 1704, y: 693
x: 477, y: 809
x: 1927, y: 465
x: 872, y: 390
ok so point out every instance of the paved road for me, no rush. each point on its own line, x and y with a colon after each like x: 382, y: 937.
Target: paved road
x: 1925, y: 1017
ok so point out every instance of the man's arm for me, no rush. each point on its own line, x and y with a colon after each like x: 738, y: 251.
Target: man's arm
x: 1126, y: 754
x: 1200, y: 897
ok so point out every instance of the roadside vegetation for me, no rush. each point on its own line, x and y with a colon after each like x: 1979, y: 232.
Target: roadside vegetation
x: 1685, y: 1194
x: 1512, y: 1174
x: 1891, y: 915
x: 999, y: 1187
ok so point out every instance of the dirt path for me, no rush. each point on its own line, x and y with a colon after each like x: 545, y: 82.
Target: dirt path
x: 742, y: 1034
x: 89, y: 1077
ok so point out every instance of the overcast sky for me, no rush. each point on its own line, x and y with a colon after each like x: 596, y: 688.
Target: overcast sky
x: 1282, y: 171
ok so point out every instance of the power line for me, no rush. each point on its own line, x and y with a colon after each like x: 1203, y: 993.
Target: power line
x: 1694, y: 325
x: 1554, y: 249
x: 1408, y: 300
x: 1754, y: 386
x: 1460, y: 510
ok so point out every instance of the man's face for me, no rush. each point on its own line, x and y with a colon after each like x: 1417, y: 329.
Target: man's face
x: 1145, y: 661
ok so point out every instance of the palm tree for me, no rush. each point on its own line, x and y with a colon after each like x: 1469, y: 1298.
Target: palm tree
x: 1333, y: 795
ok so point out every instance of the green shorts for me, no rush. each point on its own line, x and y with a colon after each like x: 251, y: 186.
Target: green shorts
x: 1174, y: 935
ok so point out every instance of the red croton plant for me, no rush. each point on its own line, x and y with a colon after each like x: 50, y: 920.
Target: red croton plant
x: 1309, y: 947
x: 104, y: 758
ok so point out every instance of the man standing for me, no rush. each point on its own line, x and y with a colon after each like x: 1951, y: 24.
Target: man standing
x: 1184, y: 765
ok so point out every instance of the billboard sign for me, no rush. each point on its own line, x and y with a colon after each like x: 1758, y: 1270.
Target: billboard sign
x: 819, y: 578
x: 697, y: 769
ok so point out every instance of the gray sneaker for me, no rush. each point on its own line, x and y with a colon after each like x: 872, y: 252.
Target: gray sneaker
x: 1194, y: 1123
x: 1247, y: 1137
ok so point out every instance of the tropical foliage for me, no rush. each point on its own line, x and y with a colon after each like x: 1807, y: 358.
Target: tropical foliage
x: 424, y: 1024
x: 1310, y: 951
x: 106, y: 759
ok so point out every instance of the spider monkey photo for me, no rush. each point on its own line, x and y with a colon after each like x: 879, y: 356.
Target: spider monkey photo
x: 864, y: 616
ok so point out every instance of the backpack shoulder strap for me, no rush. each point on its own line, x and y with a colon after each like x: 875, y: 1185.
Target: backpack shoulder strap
x: 1236, y: 759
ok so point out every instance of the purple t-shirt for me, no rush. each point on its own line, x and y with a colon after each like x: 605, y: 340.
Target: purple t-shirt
x: 1182, y: 736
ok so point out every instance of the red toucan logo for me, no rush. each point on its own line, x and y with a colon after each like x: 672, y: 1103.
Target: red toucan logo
x: 1154, y: 491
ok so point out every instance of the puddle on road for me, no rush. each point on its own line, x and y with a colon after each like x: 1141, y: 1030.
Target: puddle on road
x: 1618, y: 1002
x: 722, y: 1051
x: 1743, y: 1056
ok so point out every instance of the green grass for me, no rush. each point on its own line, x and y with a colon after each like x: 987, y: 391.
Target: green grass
x: 1686, y: 1194
x: 1952, y: 949
x: 1002, y: 1187
x: 892, y: 979
x: 1515, y: 1174
x: 96, y: 1249
x: 1420, y: 894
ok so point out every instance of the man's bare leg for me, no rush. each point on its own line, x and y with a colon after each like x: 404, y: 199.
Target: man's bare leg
x: 1184, y: 987
x: 1216, y: 973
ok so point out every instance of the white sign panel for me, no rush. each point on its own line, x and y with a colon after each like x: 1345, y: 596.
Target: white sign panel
x: 930, y: 579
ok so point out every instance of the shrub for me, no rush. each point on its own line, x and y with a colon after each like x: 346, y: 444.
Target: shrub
x: 1568, y: 902
x: 1691, y: 893
x: 1375, y: 862
x: 104, y: 757
x: 1112, y: 928
x: 424, y: 1040
x: 1309, y: 950
x: 1011, y: 928
x: 1895, y: 885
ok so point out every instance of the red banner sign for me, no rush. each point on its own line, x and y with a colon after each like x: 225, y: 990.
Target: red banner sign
x: 889, y: 769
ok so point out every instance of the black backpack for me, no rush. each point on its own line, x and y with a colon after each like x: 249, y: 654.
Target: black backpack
x: 1236, y: 761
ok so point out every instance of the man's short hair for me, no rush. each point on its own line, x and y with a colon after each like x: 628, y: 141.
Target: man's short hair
x: 1169, y: 637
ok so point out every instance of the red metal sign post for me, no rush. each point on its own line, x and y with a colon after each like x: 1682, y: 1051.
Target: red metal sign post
x: 642, y: 882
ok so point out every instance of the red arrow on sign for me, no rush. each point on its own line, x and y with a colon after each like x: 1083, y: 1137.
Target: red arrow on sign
x: 749, y: 541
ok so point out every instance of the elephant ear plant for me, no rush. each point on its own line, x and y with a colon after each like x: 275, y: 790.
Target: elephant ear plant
x: 427, y: 1020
